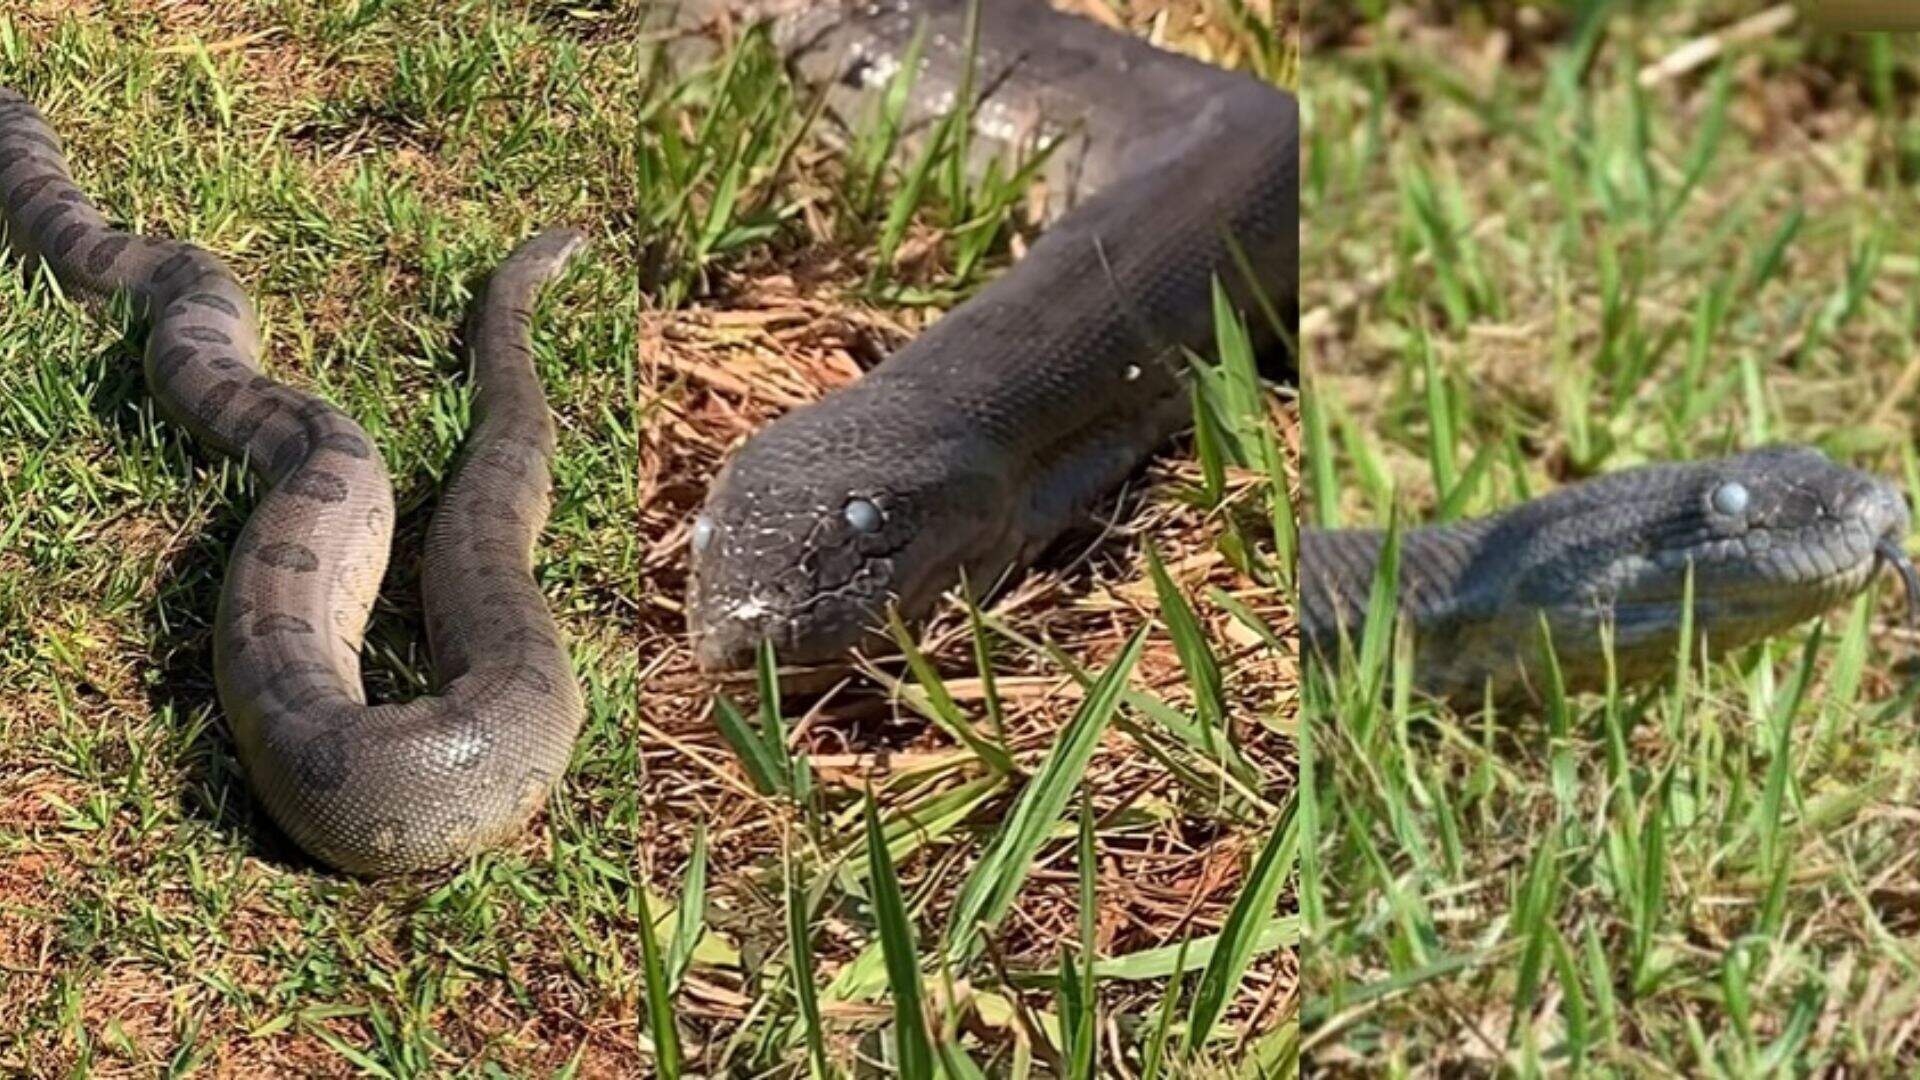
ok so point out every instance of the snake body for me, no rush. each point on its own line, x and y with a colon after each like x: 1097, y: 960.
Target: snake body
x: 971, y: 449
x: 366, y: 788
x: 1771, y: 538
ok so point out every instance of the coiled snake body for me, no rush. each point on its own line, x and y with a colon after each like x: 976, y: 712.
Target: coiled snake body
x: 1770, y: 538
x: 368, y: 789
x: 974, y: 447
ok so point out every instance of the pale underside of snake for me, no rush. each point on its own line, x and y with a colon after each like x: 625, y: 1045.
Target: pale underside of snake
x: 1764, y: 540
x: 973, y: 448
x: 366, y: 788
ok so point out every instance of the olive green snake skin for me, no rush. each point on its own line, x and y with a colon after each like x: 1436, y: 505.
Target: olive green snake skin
x: 369, y: 789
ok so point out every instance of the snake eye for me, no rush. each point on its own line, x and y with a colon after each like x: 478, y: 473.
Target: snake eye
x: 702, y: 533
x: 862, y: 515
x: 1730, y: 498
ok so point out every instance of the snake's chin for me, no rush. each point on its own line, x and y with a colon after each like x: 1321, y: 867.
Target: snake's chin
x: 729, y: 625
x: 730, y: 641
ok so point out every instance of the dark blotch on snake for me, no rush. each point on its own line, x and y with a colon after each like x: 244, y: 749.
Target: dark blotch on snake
x: 346, y: 442
x: 209, y: 408
x: 315, y: 410
x: 291, y: 451
x: 321, y: 487
x: 532, y: 678
x: 171, y: 361
x: 497, y: 509
x: 257, y: 414
x: 489, y: 547
x: 171, y: 268
x: 205, y: 333
x: 322, y: 764
x: 281, y: 623
x: 68, y: 237
x: 507, y: 458
x: 298, y: 558
x: 311, y: 694
x: 218, y: 303
x: 530, y: 635
x: 100, y: 259
x: 298, y: 675
x: 25, y: 190
x: 50, y: 215
x: 29, y: 135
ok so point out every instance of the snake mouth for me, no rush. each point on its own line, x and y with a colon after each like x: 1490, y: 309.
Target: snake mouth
x: 1889, y: 552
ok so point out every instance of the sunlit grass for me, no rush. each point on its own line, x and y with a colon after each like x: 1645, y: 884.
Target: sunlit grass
x: 1704, y: 876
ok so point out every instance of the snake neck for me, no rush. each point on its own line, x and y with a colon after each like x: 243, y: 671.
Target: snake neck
x: 1442, y: 580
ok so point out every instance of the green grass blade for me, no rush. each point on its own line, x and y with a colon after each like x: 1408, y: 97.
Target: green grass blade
x: 902, y: 955
x: 660, y: 1023
x: 1163, y: 1022
x: 1080, y: 998
x: 983, y: 666
x: 800, y: 952
x: 1252, y: 912
x: 990, y: 889
x: 1190, y: 644
x: 940, y: 706
x: 692, y: 920
x: 764, y: 767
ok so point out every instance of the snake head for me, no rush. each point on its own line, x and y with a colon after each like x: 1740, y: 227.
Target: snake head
x: 816, y: 527
x: 1770, y: 538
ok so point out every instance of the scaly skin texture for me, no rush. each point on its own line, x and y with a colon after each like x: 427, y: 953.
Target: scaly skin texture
x: 974, y: 447
x: 1615, y: 550
x: 367, y: 789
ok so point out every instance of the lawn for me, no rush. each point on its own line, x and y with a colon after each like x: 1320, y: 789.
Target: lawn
x: 688, y: 903
x: 1542, y: 246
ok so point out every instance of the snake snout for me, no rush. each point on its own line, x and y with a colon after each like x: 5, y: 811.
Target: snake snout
x: 1883, y: 510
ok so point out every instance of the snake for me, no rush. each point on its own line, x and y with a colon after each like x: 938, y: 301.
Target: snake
x: 965, y: 454
x: 367, y: 789
x: 1603, y: 571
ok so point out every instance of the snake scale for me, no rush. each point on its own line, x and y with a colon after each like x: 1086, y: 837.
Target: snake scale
x: 974, y: 447
x: 1771, y: 538
x: 369, y: 789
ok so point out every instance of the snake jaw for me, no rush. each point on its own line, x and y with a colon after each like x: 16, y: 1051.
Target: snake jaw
x: 1889, y: 552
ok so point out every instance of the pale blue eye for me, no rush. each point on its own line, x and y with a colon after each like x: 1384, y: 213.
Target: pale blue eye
x: 702, y: 533
x: 862, y: 515
x: 1730, y: 498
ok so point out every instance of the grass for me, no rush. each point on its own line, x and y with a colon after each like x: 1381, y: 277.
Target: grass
x: 1059, y: 822
x: 1580, y: 271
